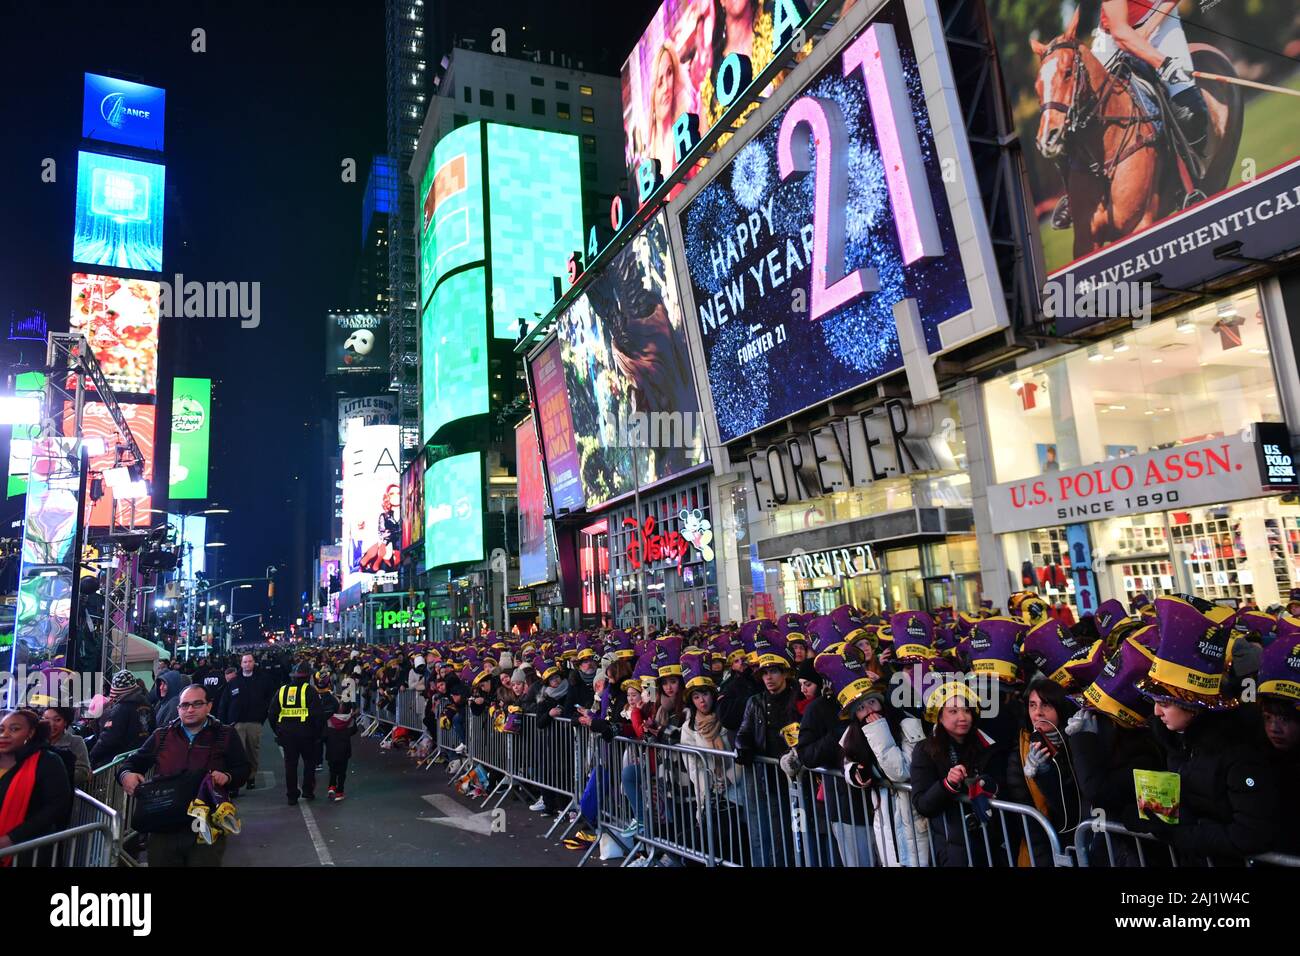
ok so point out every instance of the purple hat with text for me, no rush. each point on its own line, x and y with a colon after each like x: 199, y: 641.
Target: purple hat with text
x: 1061, y: 656
x: 697, y: 669
x: 1279, y: 664
x: 1192, y: 658
x: 913, y: 635
x: 1115, y: 692
x: 994, y: 648
x: 668, y: 656
x: 825, y: 636
x: 848, y: 679
x: 793, y: 627
x: 770, y: 648
x: 849, y: 622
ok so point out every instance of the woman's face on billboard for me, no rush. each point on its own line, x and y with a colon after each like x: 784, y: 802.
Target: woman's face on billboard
x: 665, y: 86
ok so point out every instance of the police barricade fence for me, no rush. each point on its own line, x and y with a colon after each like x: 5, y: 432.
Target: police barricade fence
x: 93, y: 838
x: 1103, y: 843
x: 686, y: 804
x: 105, y: 788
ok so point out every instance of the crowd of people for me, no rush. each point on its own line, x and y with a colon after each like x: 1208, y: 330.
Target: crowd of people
x: 924, y: 717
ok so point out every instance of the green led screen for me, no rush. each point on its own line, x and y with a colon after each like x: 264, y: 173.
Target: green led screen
x: 451, y: 200
x: 534, y: 186
x: 191, y: 421
x: 453, y: 509
x: 20, y: 438
x: 454, y: 350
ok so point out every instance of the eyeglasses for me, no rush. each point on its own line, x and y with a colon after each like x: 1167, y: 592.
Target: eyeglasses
x: 191, y: 704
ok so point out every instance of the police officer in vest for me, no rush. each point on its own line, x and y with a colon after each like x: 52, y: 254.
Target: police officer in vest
x: 298, y: 718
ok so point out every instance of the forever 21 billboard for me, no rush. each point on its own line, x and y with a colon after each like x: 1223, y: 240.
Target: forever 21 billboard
x: 828, y: 209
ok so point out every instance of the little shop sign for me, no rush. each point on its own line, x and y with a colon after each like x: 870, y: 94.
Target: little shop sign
x: 1207, y: 472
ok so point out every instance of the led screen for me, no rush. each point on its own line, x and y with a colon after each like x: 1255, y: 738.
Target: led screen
x: 119, y: 317
x: 453, y: 502
x: 372, y: 504
x: 119, y: 220
x: 628, y: 373
x: 413, y: 503
x: 776, y: 341
x: 454, y: 357
x: 534, y: 568
x: 451, y: 198
x: 535, y: 217
x: 356, y: 342
x: 187, y: 476
x: 96, y: 422
x: 119, y: 111
x: 330, y: 560
x: 21, y: 436
x: 551, y: 394
x: 366, y: 410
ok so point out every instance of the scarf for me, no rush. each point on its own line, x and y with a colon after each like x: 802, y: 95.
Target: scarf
x: 557, y: 693
x: 587, y: 679
x: 709, y: 726
x: 18, y: 798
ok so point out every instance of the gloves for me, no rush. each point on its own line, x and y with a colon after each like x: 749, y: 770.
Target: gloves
x: 1036, y: 761
x: 744, y: 757
x: 1172, y: 74
x: 1083, y: 722
x: 791, y: 764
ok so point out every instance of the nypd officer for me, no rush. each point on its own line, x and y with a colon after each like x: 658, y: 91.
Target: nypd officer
x: 298, y: 717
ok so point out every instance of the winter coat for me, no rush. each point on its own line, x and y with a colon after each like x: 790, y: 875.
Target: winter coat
x: 74, y: 745
x: 50, y: 806
x: 761, y: 728
x: 125, y: 726
x: 714, y: 779
x: 933, y: 798
x: 1229, y: 800
x: 168, y: 708
x: 1054, y: 791
x: 883, y: 749
x: 1104, y: 763
x: 339, y: 731
x: 733, y: 693
x: 246, y: 700
x: 826, y: 796
x: 1286, y: 767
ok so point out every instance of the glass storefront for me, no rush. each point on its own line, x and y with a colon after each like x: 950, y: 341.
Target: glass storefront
x: 1197, y: 375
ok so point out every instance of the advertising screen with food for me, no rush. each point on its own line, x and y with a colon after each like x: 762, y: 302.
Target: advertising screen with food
x: 119, y: 317
x: 1155, y: 133
x: 806, y: 237
x: 636, y: 418
x: 119, y: 217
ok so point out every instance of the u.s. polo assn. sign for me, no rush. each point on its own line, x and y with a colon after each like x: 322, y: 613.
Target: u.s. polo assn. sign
x: 1207, y: 472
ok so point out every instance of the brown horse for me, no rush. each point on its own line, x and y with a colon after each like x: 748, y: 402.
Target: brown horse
x: 1121, y: 174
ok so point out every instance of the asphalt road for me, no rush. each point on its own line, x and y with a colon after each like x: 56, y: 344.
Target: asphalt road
x: 384, y: 821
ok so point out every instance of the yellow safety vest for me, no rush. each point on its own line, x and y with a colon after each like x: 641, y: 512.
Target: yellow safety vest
x: 295, y: 708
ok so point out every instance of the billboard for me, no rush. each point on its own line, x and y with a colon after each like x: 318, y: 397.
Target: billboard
x: 628, y: 371
x: 451, y: 201
x: 453, y: 508
x: 119, y: 219
x: 454, y: 354
x: 372, y: 504
x: 535, y: 561
x: 331, y: 557
x: 119, y: 318
x: 534, y: 188
x: 22, y: 436
x: 812, y: 240
x: 1155, y: 208
x: 366, y: 410
x: 413, y: 503
x: 97, y: 423
x: 119, y: 111
x: 356, y: 342
x: 555, y: 419
x: 187, y: 475
x: 49, y: 540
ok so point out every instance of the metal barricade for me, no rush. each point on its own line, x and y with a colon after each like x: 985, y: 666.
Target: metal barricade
x: 1102, y: 843
x: 547, y: 759
x: 1010, y: 830
x: 409, y: 712
x: 92, y: 839
x: 105, y: 788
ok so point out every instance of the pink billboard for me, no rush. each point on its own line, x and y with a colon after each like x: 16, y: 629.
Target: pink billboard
x: 556, y: 420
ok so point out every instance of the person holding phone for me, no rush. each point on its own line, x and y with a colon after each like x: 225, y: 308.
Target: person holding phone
x: 1042, y: 770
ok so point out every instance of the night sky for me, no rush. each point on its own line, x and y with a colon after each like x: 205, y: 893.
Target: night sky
x: 257, y: 129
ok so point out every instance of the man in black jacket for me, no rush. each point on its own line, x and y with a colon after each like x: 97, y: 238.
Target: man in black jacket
x: 193, y: 742
x: 127, y: 721
x: 244, y: 706
x: 769, y: 728
x: 298, y: 717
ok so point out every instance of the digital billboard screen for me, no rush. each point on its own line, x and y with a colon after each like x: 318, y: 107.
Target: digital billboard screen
x: 534, y: 566
x: 555, y: 417
x: 191, y: 534
x: 413, y: 503
x: 331, y: 556
x: 187, y: 475
x: 628, y: 372
x: 119, y: 317
x: 22, y: 436
x: 451, y: 203
x: 356, y: 342
x: 366, y: 410
x: 534, y: 187
x: 1116, y: 201
x: 119, y: 218
x: 453, y: 503
x: 96, y: 422
x: 372, y: 504
x: 119, y: 111
x: 454, y: 356
x: 803, y: 237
